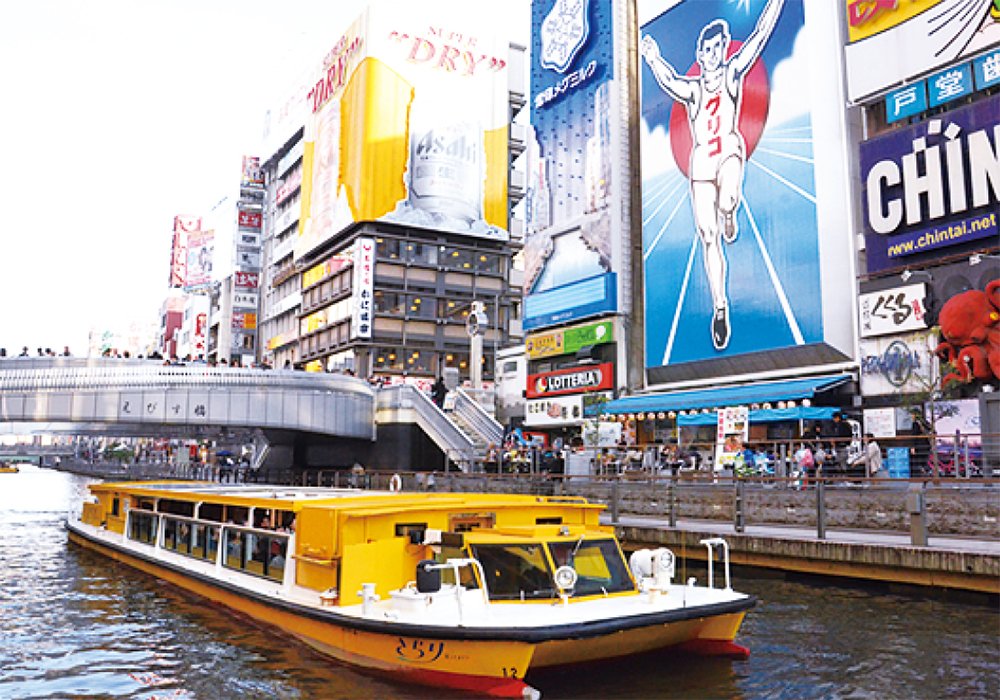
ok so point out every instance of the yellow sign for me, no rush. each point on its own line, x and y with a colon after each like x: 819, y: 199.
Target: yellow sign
x: 249, y: 321
x: 866, y: 18
x: 409, y: 124
x: 544, y: 345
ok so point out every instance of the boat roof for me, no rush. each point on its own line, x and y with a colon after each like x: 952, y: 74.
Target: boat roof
x: 288, y: 497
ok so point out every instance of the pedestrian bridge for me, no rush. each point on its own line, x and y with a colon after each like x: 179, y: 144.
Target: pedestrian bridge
x: 301, y: 418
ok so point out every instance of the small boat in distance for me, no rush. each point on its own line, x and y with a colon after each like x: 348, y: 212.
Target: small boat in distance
x: 477, y: 592
x: 9, y: 468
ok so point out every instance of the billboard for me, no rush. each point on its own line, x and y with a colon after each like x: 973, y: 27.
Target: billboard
x: 408, y: 124
x: 363, y: 287
x: 200, y: 251
x: 576, y: 380
x: 566, y: 341
x: 184, y: 226
x: 573, y: 222
x: 893, y: 365
x: 252, y: 174
x: 736, y: 260
x: 892, y: 42
x: 932, y: 186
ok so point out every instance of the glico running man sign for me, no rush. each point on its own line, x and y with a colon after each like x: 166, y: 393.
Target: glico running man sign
x: 731, y: 239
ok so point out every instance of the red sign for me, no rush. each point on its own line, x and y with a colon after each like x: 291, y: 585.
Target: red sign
x: 575, y: 380
x: 288, y: 186
x: 250, y: 219
x: 246, y: 280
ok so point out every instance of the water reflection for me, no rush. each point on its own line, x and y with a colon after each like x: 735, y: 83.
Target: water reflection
x: 73, y: 624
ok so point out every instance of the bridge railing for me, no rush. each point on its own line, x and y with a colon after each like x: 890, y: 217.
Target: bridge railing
x: 34, y: 374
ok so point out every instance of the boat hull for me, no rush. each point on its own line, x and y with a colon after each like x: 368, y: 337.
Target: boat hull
x: 488, y: 662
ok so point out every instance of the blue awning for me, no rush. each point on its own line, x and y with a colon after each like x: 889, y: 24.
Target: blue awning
x: 743, y: 395
x: 763, y: 415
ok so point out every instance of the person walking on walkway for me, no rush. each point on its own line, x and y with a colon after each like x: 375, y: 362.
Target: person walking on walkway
x: 438, y: 392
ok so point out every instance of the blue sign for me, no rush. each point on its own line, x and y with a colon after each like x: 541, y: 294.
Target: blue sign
x: 571, y: 301
x: 949, y: 85
x: 570, y: 231
x: 897, y: 461
x: 957, y: 200
x: 729, y: 224
x: 987, y: 70
x: 905, y: 102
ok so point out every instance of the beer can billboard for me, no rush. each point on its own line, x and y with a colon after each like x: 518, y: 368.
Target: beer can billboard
x: 408, y: 124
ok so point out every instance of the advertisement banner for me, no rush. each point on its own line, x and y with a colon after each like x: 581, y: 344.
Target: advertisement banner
x: 253, y: 176
x: 576, y: 380
x: 249, y: 219
x: 553, y: 411
x: 892, y: 42
x: 572, y: 233
x: 409, y: 117
x: 895, y: 310
x: 184, y: 226
x: 566, y: 341
x: 246, y: 280
x: 731, y: 235
x: 244, y: 300
x: 880, y: 422
x: 200, y: 252
x: 364, y: 288
x: 289, y: 186
x: 731, y: 433
x: 898, y: 364
x: 247, y: 259
x: 920, y: 212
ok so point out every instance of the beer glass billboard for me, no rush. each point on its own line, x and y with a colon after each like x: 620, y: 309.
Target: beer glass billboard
x: 408, y: 123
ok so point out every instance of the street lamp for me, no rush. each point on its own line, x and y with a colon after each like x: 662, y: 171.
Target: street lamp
x: 475, y: 324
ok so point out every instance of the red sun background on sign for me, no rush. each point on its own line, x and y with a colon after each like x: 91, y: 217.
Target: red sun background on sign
x: 753, y: 114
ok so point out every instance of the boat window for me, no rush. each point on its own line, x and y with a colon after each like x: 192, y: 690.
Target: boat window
x: 210, y: 511
x: 598, y: 563
x: 466, y: 522
x: 116, y: 506
x: 515, y: 571
x: 177, y: 507
x: 404, y: 529
x: 465, y: 574
x: 255, y: 552
x: 143, y: 527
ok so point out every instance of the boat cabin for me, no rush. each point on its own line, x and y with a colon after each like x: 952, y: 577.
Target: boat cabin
x: 335, y: 541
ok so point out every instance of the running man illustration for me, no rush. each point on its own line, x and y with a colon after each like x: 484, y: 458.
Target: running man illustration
x: 713, y: 101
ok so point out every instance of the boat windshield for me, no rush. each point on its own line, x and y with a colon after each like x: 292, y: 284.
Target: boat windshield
x: 523, y: 572
x: 599, y: 565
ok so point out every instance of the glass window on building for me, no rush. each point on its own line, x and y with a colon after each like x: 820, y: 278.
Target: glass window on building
x: 456, y: 359
x: 387, y: 248
x: 388, y: 303
x: 341, y: 361
x: 387, y: 358
x: 419, y: 361
x: 487, y: 262
x: 420, y: 306
x: 453, y: 309
x: 420, y: 253
x: 458, y: 259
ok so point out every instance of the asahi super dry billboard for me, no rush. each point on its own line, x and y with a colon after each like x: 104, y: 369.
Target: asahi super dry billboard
x: 409, y: 124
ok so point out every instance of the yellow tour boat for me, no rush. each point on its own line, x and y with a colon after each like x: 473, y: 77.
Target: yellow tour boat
x: 9, y: 468
x: 471, y: 591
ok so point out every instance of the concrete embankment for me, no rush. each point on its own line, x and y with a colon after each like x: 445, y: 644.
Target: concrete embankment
x: 946, y: 562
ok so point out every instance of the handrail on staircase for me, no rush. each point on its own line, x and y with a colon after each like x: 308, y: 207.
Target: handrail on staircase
x: 471, y: 411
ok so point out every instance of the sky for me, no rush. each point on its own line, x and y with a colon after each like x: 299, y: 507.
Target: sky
x: 118, y: 115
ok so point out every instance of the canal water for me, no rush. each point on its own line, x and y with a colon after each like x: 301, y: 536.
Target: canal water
x: 73, y: 625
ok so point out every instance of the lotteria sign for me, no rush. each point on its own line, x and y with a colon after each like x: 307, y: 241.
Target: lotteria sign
x: 571, y: 381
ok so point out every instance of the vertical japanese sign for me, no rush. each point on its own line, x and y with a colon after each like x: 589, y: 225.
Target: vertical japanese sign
x: 364, y: 281
x: 732, y: 433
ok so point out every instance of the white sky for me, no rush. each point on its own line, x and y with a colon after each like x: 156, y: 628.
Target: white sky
x: 116, y: 116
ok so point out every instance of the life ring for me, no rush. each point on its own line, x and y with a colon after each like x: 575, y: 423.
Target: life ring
x: 395, y: 483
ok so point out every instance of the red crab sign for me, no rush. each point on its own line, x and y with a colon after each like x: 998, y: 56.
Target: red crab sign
x: 970, y: 332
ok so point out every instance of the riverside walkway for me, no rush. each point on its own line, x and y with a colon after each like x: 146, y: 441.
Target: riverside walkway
x: 949, y: 562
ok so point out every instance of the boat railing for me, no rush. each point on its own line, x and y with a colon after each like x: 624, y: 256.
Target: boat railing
x: 454, y: 565
x: 251, y: 550
x: 711, y: 543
